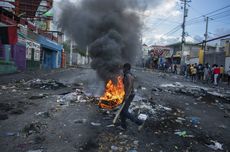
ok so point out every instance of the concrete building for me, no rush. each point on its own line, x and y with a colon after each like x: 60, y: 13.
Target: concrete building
x: 34, y: 47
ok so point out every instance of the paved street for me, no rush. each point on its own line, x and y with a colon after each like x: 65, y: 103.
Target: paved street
x: 56, y: 111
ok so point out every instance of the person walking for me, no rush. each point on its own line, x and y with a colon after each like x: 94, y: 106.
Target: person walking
x: 216, y: 72
x: 128, y: 81
x: 193, y: 72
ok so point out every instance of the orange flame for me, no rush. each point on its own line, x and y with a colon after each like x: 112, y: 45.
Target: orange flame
x: 114, y: 94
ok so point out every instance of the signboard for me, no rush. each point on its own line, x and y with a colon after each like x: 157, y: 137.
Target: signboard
x: 161, y: 51
x: 37, y: 52
x: 32, y: 46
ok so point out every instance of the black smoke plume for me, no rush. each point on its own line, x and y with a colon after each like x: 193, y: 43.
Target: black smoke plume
x: 110, y: 28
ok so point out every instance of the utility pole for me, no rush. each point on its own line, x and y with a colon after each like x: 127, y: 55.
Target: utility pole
x: 71, y: 54
x: 206, y: 38
x: 183, y: 31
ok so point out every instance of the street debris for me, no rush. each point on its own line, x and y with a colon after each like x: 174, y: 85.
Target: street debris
x: 195, y: 120
x: 95, y: 124
x: 44, y: 84
x: 80, y: 121
x: 34, y: 127
x: 142, y: 117
x: 74, y: 97
x: 44, y: 114
x: 3, y: 87
x: 112, y: 125
x: 216, y: 145
x: 14, y: 90
x: 183, y: 134
x: 114, y: 148
x: 180, y: 120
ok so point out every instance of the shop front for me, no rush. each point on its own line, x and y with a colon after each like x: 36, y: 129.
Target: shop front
x: 51, y: 53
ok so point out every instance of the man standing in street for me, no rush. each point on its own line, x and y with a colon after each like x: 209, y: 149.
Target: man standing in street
x: 128, y: 81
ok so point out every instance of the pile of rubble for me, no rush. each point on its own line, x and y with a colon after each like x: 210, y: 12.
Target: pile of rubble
x: 78, y: 96
x: 44, y: 84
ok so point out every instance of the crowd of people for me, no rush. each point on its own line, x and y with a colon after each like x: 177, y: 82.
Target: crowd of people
x: 206, y: 73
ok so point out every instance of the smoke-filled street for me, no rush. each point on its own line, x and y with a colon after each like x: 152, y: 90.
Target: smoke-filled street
x: 57, y: 111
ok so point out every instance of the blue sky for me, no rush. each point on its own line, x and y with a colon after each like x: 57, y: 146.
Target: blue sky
x: 159, y: 20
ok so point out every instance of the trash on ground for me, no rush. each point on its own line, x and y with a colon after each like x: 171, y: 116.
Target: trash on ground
x: 114, y: 148
x: 34, y: 127
x: 45, y: 84
x: 180, y: 120
x: 112, y: 125
x: 183, y: 134
x: 216, y: 145
x: 3, y: 87
x: 95, y: 124
x: 74, y: 97
x: 195, y: 120
x: 80, y: 121
x: 44, y: 114
x: 142, y: 117
x: 14, y: 90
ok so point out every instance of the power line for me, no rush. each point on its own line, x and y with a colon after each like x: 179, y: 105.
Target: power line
x: 209, y: 13
x: 220, y: 37
x: 195, y: 20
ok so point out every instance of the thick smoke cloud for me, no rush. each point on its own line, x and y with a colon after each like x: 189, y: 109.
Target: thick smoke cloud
x: 110, y: 28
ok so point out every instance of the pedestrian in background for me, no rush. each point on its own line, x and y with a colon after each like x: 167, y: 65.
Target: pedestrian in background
x: 216, y: 72
x: 212, y: 73
x: 221, y: 73
x: 193, y: 72
x: 175, y: 69
x: 207, y: 73
x: 200, y: 72
x: 189, y: 71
